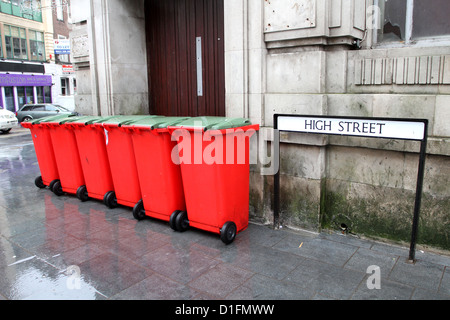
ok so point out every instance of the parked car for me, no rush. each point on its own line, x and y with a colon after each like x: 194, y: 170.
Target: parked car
x: 7, y: 121
x: 35, y: 111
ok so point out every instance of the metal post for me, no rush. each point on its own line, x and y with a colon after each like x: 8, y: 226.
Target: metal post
x: 276, y: 183
x: 420, y: 175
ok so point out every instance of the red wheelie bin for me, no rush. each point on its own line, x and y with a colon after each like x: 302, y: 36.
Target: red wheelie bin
x: 119, y: 146
x: 71, y: 178
x: 215, y: 172
x: 159, y: 177
x: 44, y: 151
x: 91, y: 144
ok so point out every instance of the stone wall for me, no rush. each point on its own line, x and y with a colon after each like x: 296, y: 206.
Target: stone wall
x: 307, y: 62
x: 109, y: 55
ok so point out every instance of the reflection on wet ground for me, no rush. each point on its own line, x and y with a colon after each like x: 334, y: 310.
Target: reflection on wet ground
x: 61, y: 248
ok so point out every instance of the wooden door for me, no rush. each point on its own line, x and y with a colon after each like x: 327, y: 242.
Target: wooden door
x: 185, y: 51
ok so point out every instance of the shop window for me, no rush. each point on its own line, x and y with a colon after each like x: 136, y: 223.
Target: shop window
x: 15, y: 42
x: 412, y: 20
x: 29, y: 94
x: 9, y: 99
x: 48, y: 94
x: 24, y: 96
x: 21, y: 96
x: 40, y: 94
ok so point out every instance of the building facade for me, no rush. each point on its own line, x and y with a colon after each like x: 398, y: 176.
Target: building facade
x: 65, y: 84
x: 28, y: 73
x: 366, y: 58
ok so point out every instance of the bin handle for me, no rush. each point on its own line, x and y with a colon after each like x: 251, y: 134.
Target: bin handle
x: 106, y: 125
x: 73, y: 125
x: 94, y: 126
x: 143, y: 128
x: 126, y: 128
x: 215, y: 131
x: 171, y: 129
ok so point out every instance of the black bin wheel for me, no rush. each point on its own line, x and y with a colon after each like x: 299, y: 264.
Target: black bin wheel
x: 57, y: 188
x: 228, y: 232
x: 138, y: 210
x: 39, y: 183
x: 110, y: 199
x: 173, y: 218
x: 82, y: 193
x: 181, y: 221
x: 52, y: 183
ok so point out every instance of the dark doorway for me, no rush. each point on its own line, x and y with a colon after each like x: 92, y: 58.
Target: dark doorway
x: 185, y: 51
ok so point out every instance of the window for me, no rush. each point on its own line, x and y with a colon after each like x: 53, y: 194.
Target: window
x: 21, y: 96
x: 40, y: 94
x: 15, y: 42
x: 5, y: 6
x: 50, y: 108
x: 28, y: 9
x: 9, y: 99
x: 29, y: 94
x: 47, y: 94
x: 64, y: 86
x: 37, y: 46
x: 27, y: 108
x: 24, y: 95
x: 40, y: 107
x: 412, y: 20
x: 59, y: 10
x: 431, y: 18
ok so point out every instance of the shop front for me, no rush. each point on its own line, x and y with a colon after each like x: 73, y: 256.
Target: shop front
x: 19, y: 89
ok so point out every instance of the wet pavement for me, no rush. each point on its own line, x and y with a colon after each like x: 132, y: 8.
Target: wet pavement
x: 61, y: 248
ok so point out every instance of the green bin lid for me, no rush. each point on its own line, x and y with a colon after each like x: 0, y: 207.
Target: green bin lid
x: 56, y: 118
x: 124, y: 119
x: 85, y: 119
x: 156, y: 122
x: 214, y: 123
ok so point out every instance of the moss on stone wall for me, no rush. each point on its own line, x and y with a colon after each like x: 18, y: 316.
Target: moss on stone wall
x: 370, y: 191
x: 299, y: 202
x: 387, y: 213
x: 260, y: 198
x: 298, y: 209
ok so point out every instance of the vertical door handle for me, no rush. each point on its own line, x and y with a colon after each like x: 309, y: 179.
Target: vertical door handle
x: 198, y: 47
